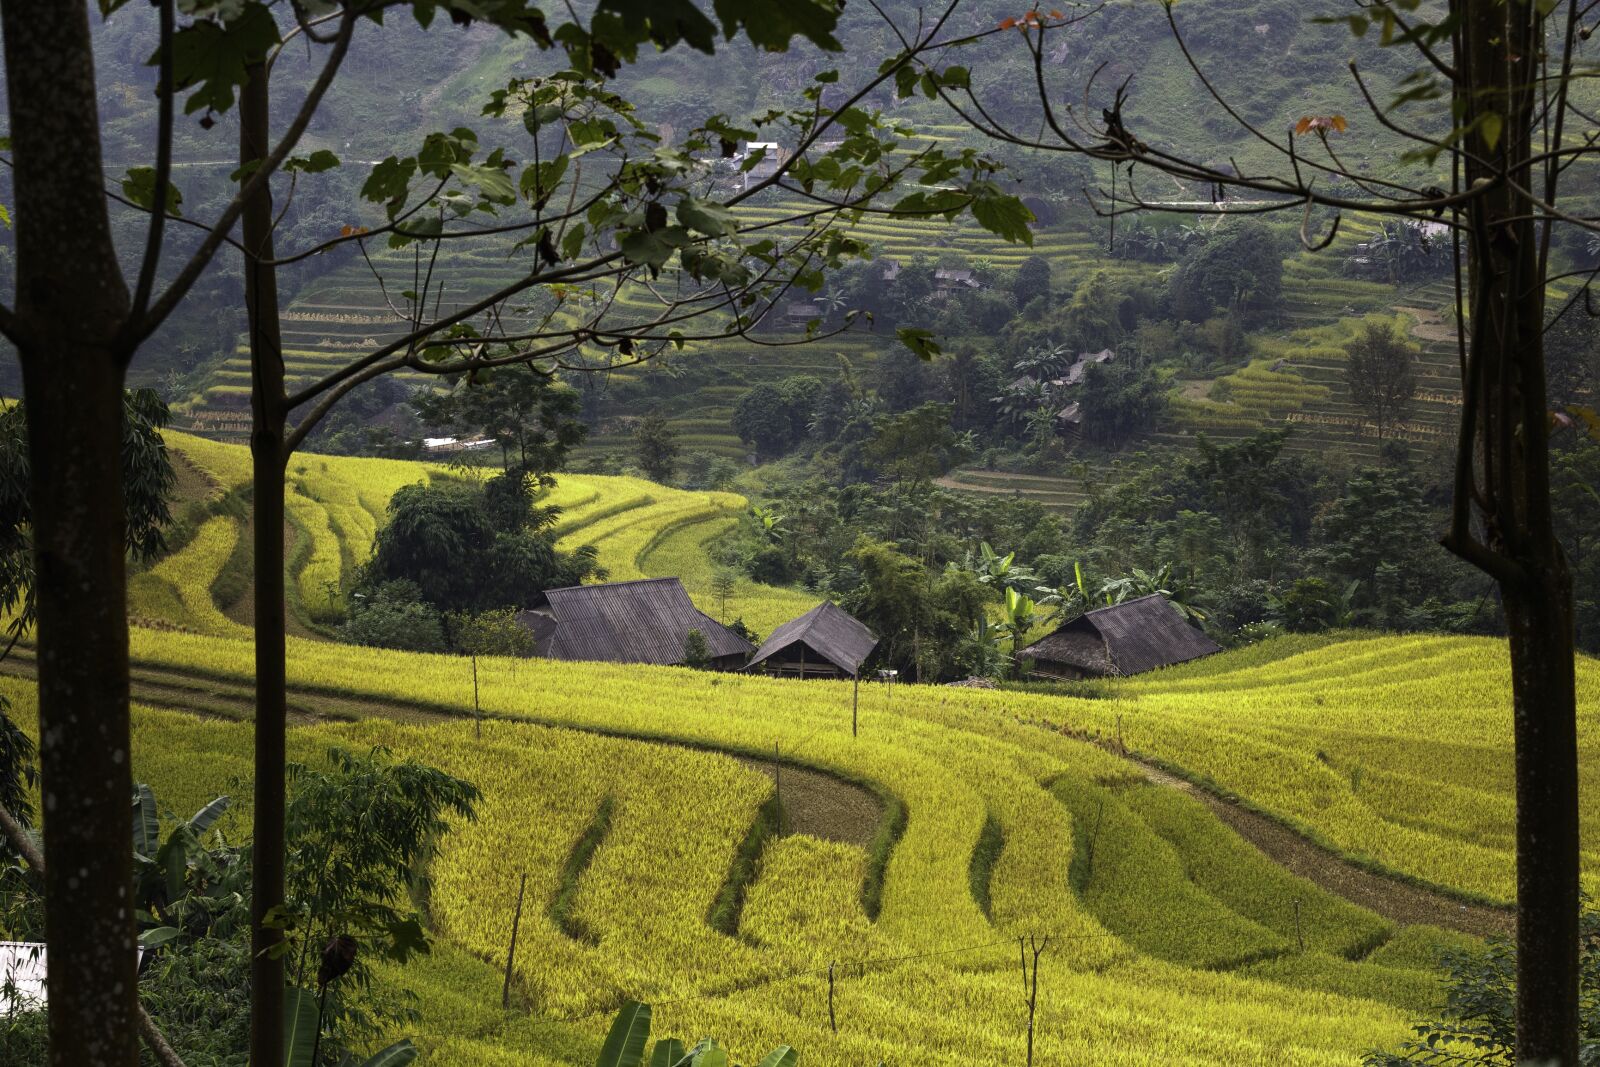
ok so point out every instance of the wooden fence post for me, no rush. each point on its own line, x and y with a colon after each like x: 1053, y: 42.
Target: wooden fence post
x: 833, y: 1022
x: 511, y: 953
x: 1031, y: 984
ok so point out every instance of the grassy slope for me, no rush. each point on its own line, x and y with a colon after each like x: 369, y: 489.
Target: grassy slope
x: 1166, y: 954
x: 948, y: 755
x: 336, y: 505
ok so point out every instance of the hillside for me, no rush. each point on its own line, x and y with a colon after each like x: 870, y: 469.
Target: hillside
x: 336, y: 504
x: 957, y: 821
x: 1172, y: 941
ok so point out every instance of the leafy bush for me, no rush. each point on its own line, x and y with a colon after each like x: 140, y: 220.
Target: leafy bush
x: 394, y: 616
x: 1479, y: 1021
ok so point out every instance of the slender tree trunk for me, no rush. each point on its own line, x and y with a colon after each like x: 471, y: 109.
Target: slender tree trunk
x: 1507, y: 385
x: 268, y: 416
x: 71, y: 303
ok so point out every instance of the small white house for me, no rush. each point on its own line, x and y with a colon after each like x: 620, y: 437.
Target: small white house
x: 772, y: 157
x: 21, y: 977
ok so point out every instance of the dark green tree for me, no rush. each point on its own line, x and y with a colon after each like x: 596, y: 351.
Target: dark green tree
x: 655, y: 446
x: 394, y: 615
x: 1118, y: 401
x: 761, y: 419
x: 471, y: 549
x: 917, y: 446
x: 1380, y: 532
x: 1381, y: 374
x: 1032, y: 281
x: 696, y: 651
x: 1238, y: 268
x: 527, y: 412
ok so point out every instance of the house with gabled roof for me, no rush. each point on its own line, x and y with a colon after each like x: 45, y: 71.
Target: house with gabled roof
x: 1118, y: 640
x: 825, y: 642
x: 643, y: 621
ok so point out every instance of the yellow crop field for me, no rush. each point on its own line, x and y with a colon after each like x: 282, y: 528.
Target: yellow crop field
x: 931, y: 978
x: 336, y: 505
x: 1001, y: 815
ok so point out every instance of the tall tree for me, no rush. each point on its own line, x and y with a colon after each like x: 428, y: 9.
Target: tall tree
x: 77, y: 323
x: 1505, y: 142
x: 656, y: 448
x: 1380, y: 372
x: 589, y: 231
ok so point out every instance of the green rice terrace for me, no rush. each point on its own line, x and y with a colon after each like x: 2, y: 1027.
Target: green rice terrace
x: 1293, y: 375
x: 1235, y: 860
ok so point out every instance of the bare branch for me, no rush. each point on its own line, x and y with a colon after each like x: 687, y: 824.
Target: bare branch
x: 163, y: 182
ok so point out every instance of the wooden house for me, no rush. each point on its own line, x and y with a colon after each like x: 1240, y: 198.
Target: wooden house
x: 1128, y: 638
x: 645, y: 621
x: 825, y: 642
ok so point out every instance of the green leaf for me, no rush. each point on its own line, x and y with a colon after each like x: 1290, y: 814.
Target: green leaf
x: 398, y: 1054
x: 390, y: 180
x: 920, y: 341
x: 316, y: 163
x: 540, y: 181
x: 173, y: 859
x: 206, y: 816
x: 669, y: 1051
x: 299, y: 1026
x: 1005, y: 216
x: 625, y: 1043
x: 210, y: 57
x: 782, y: 1056
x: 572, y: 241
x: 714, y: 1056
x: 492, y: 182
x: 653, y: 247
x: 152, y: 939
x: 146, y: 822
x: 706, y: 217
x: 1490, y: 124
x: 772, y: 24
x: 140, y: 188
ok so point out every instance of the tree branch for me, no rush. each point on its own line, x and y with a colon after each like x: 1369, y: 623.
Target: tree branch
x: 202, y: 256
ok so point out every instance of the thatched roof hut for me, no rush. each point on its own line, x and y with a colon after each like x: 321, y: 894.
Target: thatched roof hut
x: 1127, y: 638
x: 645, y: 621
x: 825, y: 642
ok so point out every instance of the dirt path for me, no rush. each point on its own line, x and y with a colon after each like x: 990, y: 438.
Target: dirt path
x: 1399, y: 902
x: 814, y: 802
x: 821, y: 805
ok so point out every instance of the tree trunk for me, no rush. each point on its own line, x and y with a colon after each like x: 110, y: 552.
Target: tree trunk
x: 268, y: 415
x: 1506, y: 388
x: 71, y: 303
x: 1539, y: 619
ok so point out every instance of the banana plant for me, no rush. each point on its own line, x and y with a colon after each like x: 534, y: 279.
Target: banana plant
x: 1165, y: 582
x: 177, y: 874
x: 1000, y: 572
x: 989, y: 658
x: 301, y: 1026
x: 770, y: 521
x: 630, y: 1036
x: 1021, y: 613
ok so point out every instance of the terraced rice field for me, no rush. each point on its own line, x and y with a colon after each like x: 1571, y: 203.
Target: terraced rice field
x: 1172, y: 939
x: 336, y: 505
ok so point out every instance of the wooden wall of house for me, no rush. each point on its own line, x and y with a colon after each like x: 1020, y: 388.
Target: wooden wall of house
x: 799, y: 661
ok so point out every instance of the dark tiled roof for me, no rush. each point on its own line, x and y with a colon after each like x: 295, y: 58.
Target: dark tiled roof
x: 646, y: 621
x: 828, y: 630
x: 1136, y: 636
